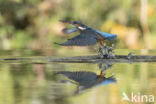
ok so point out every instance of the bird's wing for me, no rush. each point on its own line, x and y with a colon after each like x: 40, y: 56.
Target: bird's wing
x: 69, y: 30
x: 66, y: 21
x: 81, y: 40
x: 79, y: 76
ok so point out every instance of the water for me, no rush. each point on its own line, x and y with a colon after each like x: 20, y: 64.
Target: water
x: 30, y: 77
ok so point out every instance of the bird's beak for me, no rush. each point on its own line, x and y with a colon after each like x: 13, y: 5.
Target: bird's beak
x: 66, y: 21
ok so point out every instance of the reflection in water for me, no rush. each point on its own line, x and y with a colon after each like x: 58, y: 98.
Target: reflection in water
x: 85, y: 79
x: 29, y: 84
x: 23, y: 82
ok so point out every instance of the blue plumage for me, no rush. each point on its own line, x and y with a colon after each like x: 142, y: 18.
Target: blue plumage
x: 107, y: 35
x: 108, y: 81
x: 88, y: 36
x: 88, y: 79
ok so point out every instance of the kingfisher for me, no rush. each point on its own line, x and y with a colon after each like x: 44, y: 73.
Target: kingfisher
x: 87, y: 36
x: 85, y: 80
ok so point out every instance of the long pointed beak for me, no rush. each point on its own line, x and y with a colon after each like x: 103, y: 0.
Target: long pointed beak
x: 65, y: 21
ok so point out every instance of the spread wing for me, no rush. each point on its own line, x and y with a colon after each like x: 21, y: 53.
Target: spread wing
x: 68, y: 30
x: 79, y: 76
x: 86, y: 38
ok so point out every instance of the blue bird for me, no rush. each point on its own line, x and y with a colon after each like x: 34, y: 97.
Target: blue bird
x: 87, y: 36
x: 86, y: 80
x: 80, y: 27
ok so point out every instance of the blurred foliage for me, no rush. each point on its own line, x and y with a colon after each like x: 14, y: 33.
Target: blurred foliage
x: 34, y: 24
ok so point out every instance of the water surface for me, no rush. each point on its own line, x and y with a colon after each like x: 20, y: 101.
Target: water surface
x: 29, y: 77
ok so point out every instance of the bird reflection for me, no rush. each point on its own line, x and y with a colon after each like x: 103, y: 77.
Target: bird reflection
x: 85, y: 79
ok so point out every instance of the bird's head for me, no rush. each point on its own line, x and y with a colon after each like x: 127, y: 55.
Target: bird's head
x: 79, y: 25
x: 76, y: 24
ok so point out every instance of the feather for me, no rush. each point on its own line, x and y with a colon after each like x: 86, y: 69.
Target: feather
x: 68, y: 31
x: 86, y: 38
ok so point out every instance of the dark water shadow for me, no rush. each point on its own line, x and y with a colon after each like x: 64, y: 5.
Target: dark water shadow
x: 85, y: 80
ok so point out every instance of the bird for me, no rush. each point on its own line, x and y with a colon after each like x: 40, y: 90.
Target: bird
x: 86, y: 79
x: 87, y: 36
x: 80, y: 27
